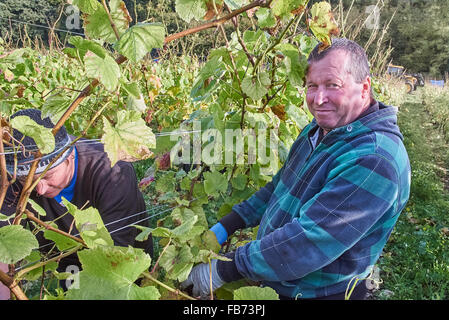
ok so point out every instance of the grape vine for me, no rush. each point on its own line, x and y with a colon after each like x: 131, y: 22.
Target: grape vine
x: 106, y: 87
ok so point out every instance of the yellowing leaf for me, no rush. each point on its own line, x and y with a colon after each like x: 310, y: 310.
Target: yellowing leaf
x: 43, y: 137
x: 287, y: 8
x: 130, y: 139
x: 138, y: 40
x: 322, y: 23
x: 106, y: 70
x: 90, y: 225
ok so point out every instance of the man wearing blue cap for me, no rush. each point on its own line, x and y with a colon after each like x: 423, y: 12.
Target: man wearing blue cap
x: 84, y: 176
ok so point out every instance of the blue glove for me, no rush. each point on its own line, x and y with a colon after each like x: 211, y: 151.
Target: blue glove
x: 200, y: 278
x: 220, y: 233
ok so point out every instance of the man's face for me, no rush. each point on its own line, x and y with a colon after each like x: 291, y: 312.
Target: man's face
x: 55, y: 180
x: 333, y: 97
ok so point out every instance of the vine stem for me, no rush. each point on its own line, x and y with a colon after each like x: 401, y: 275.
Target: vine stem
x: 150, y: 277
x: 43, y: 263
x: 217, y: 22
x: 278, y: 40
x: 210, y: 280
x: 13, y: 286
x: 160, y: 256
x: 114, y: 27
x: 3, y: 172
x: 32, y: 217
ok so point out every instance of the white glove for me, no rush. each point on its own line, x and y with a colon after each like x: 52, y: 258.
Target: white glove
x: 199, y: 277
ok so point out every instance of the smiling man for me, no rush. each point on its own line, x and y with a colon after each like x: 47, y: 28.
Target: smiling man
x: 84, y: 176
x: 327, y: 214
x: 338, y: 86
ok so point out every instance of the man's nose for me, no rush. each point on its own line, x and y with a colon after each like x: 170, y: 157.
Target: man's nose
x: 41, y: 187
x: 320, y: 96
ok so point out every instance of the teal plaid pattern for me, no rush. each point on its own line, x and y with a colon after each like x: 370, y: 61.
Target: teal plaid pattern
x: 327, y: 214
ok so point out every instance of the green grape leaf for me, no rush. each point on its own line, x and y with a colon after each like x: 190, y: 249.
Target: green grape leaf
x: 239, y: 182
x: 265, y: 18
x: 162, y: 232
x: 4, y: 217
x: 166, y: 182
x: 185, y: 227
x: 130, y: 139
x: 191, y: 9
x: 106, y: 70
x: 87, y: 6
x: 90, y: 225
x: 40, y: 211
x: 286, y: 8
x: 215, y: 182
x: 297, y: 115
x: 255, y: 293
x: 140, y: 39
x: 55, y: 106
x: 226, y: 291
x: 197, y: 210
x: 306, y: 43
x: 98, y: 26
x: 109, y: 273
x: 209, y: 240
x: 16, y: 243
x: 322, y: 23
x: 177, y: 262
x: 256, y: 86
x: 62, y: 242
x: 208, y: 78
x: 135, y: 99
x: 43, y: 137
x: 254, y: 39
x: 295, y: 63
x: 84, y: 45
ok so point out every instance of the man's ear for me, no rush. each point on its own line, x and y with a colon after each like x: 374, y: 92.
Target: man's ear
x: 366, y: 89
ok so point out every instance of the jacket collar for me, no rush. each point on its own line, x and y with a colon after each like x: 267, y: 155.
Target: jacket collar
x: 378, y: 117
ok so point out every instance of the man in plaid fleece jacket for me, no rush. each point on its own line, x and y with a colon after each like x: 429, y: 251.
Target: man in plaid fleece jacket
x: 327, y: 214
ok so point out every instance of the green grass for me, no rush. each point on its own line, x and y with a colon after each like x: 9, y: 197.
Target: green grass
x: 415, y: 262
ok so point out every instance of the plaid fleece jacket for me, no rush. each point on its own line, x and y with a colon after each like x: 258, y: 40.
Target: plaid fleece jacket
x: 327, y: 214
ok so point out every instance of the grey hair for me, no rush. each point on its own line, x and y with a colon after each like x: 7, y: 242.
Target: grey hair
x: 358, y: 66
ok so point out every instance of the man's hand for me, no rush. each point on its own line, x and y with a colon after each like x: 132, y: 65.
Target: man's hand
x: 199, y: 277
